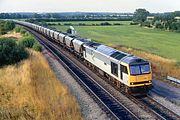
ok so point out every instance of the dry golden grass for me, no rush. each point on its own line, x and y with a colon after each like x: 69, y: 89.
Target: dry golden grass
x: 13, y: 35
x: 30, y: 90
x: 161, y: 66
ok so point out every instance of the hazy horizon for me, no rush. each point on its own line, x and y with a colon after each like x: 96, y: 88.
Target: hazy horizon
x: 118, y: 6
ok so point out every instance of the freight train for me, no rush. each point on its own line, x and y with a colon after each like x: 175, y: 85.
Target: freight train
x: 128, y: 72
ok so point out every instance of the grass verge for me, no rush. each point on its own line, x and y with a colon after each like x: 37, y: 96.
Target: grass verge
x: 30, y: 90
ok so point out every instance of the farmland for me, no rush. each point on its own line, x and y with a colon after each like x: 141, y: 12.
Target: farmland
x: 162, y: 43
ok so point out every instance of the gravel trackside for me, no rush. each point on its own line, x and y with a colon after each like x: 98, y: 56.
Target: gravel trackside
x: 167, y: 95
x: 89, y: 108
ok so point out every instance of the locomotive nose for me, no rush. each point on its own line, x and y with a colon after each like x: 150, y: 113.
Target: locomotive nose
x: 140, y: 78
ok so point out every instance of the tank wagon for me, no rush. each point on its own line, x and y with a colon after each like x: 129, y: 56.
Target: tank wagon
x: 130, y: 73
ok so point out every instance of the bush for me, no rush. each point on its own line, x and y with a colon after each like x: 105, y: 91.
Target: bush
x: 37, y: 47
x: 17, y: 29
x: 159, y: 25
x: 10, y: 52
x: 27, y: 42
x: 9, y: 25
x: 146, y: 24
x: 68, y: 24
x: 22, y: 31
x: 2, y: 31
x: 6, y: 26
x: 51, y: 24
x: 106, y: 23
x: 134, y: 23
x: 175, y: 26
x: 27, y: 34
x: 82, y: 24
x: 117, y: 24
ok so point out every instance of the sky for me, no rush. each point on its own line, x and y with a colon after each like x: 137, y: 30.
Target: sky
x: 88, y: 5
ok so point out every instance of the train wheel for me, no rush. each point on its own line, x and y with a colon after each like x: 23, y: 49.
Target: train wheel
x: 118, y: 84
x: 126, y: 89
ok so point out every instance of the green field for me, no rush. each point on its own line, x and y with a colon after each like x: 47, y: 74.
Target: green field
x: 163, y: 43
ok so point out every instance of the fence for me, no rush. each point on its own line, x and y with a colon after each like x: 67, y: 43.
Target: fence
x: 173, y: 79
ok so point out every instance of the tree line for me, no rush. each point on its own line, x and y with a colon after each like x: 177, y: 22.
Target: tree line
x: 66, y: 16
x: 36, y: 20
x: 80, y: 24
x: 166, y: 21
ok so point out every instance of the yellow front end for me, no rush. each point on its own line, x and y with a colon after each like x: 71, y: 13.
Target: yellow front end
x: 140, y: 80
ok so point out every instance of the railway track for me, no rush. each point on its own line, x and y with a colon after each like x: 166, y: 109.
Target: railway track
x: 154, y: 108
x: 113, y: 108
x: 161, y: 111
x: 151, y: 106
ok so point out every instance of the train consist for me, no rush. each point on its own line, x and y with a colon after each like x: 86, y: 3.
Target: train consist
x: 128, y: 72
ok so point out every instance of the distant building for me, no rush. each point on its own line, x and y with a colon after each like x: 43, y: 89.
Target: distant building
x: 150, y: 18
x: 177, y: 18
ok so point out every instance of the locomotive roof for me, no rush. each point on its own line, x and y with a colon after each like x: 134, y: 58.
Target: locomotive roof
x: 134, y: 60
x: 105, y: 50
x: 113, y: 53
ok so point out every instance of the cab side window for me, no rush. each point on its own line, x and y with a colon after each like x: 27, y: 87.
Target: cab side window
x: 114, y: 69
x: 123, y: 70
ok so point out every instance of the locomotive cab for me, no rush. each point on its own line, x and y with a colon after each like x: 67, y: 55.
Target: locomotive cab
x: 140, y: 75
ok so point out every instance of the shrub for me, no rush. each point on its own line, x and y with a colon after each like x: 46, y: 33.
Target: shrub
x: 159, y: 25
x: 117, y: 24
x: 134, y: 23
x: 27, y: 42
x: 146, y: 24
x: 27, y: 34
x: 105, y: 23
x: 9, y: 25
x: 175, y: 26
x: 51, y: 24
x: 22, y: 31
x: 37, y: 47
x: 68, y: 24
x: 178, y: 30
x: 6, y: 26
x: 2, y: 27
x: 17, y: 29
x: 82, y: 24
x: 2, y: 31
x: 10, y: 52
